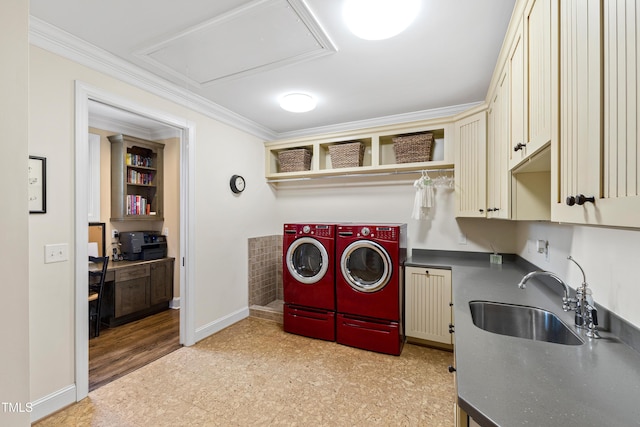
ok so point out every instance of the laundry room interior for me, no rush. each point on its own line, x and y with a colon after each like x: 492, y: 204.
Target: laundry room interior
x: 447, y: 210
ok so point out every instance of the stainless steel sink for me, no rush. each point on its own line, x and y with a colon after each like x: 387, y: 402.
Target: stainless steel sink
x: 522, y: 322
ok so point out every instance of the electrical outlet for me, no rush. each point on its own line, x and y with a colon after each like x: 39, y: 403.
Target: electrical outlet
x: 56, y: 253
x: 115, y: 234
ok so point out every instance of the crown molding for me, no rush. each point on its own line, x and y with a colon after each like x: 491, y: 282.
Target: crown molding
x: 415, y: 116
x: 53, y: 39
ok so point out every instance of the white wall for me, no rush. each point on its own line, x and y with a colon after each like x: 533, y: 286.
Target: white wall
x: 390, y: 199
x: 608, y: 256
x: 223, y: 222
x: 14, y: 316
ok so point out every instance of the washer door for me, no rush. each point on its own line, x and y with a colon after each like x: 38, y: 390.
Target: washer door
x: 307, y: 260
x: 366, y: 266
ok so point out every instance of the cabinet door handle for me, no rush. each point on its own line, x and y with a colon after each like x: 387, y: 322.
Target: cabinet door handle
x: 571, y: 201
x: 581, y: 199
x: 452, y: 369
x: 519, y: 146
x: 481, y: 210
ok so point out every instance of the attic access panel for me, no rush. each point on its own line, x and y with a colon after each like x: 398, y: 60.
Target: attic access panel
x: 255, y: 37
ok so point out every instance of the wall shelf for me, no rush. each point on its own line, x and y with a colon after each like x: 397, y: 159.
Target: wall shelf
x: 379, y: 157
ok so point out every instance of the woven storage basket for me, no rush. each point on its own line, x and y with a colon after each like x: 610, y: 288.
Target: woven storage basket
x: 346, y: 155
x: 295, y: 160
x: 413, y: 148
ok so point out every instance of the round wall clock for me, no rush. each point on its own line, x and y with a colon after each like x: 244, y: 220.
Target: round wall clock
x: 237, y: 184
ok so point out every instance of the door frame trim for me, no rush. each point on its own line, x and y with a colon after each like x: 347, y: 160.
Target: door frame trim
x: 83, y: 94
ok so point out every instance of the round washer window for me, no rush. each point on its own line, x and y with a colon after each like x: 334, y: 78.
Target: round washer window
x: 366, y: 266
x: 307, y: 260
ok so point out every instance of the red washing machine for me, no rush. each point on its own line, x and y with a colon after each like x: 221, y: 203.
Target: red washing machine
x: 370, y: 286
x: 308, y: 280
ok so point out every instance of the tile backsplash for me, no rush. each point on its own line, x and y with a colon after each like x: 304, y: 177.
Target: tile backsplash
x: 265, y: 270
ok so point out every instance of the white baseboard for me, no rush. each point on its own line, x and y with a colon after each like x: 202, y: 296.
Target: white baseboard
x: 220, y: 324
x: 175, y: 303
x: 53, y: 402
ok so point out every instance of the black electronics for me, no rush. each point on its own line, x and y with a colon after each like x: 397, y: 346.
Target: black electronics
x: 142, y: 245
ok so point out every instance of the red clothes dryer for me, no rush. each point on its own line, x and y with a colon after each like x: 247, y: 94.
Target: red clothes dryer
x: 370, y: 286
x: 308, y: 277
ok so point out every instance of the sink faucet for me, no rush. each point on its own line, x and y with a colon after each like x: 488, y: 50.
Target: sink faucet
x: 583, y: 304
x: 566, y: 301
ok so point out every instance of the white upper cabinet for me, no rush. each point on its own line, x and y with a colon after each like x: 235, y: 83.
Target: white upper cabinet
x: 517, y: 101
x: 530, y: 70
x: 538, y: 37
x: 498, y: 176
x: 596, y: 163
x: 471, y: 165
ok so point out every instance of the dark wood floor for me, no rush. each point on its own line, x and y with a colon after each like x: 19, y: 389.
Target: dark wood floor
x: 123, y: 349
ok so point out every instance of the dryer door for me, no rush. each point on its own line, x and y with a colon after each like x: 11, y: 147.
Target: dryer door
x: 307, y: 260
x: 366, y: 266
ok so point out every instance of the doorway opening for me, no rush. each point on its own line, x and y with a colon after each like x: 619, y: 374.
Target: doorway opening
x: 125, y: 117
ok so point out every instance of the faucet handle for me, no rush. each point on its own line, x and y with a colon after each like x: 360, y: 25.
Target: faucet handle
x: 569, y: 304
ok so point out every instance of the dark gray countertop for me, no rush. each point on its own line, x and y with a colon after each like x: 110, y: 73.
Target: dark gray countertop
x: 509, y: 381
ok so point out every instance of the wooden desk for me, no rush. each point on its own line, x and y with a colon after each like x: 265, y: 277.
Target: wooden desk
x: 136, y: 289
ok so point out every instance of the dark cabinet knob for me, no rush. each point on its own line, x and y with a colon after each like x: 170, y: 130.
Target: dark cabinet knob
x: 490, y: 210
x: 496, y: 209
x: 450, y: 304
x: 481, y: 210
x: 451, y: 369
x: 452, y: 328
x: 581, y: 199
x: 571, y: 201
x: 519, y: 146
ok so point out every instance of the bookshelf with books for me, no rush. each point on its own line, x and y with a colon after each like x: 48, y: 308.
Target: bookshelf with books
x: 136, y: 179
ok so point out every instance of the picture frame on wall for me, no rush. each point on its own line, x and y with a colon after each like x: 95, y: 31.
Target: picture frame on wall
x: 37, y: 185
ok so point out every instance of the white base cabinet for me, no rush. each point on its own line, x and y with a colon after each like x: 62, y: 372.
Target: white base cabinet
x: 428, y: 304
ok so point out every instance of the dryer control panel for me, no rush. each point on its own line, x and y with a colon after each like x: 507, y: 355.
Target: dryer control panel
x: 319, y: 230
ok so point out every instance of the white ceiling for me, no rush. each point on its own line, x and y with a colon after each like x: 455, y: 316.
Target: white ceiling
x: 243, y: 55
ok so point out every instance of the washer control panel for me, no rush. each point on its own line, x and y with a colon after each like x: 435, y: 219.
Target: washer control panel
x: 387, y: 233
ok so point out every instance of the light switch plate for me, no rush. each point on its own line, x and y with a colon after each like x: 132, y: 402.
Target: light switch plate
x: 56, y: 253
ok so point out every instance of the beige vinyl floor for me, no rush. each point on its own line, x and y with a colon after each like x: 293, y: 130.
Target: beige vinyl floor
x: 254, y: 374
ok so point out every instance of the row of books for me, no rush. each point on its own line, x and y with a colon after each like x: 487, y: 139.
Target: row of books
x: 138, y: 160
x: 135, y: 177
x: 138, y: 205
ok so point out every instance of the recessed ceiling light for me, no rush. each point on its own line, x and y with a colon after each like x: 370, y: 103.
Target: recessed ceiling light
x: 297, y: 102
x: 379, y: 19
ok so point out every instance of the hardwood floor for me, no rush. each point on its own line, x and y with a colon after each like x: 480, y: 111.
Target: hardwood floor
x: 123, y: 349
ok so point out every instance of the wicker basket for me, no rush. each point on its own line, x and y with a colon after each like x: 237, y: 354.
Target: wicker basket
x: 413, y: 148
x: 346, y: 155
x: 295, y: 160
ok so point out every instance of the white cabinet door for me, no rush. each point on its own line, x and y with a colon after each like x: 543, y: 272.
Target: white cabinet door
x: 471, y: 165
x: 574, y: 162
x: 517, y: 101
x: 598, y: 155
x: 539, y: 38
x: 428, y: 304
x: 619, y: 197
x: 498, y: 175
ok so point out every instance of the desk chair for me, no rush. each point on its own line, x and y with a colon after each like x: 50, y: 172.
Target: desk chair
x: 95, y: 291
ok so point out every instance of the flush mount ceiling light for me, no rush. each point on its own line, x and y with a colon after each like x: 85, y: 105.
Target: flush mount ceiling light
x: 379, y: 19
x: 297, y: 102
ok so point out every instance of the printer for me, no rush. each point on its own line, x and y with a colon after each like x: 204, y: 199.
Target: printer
x: 142, y: 245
